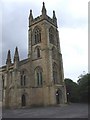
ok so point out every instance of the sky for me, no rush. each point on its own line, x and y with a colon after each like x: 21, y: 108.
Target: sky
x: 72, y: 18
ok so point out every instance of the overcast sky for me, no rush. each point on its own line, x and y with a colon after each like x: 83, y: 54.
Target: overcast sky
x: 72, y: 16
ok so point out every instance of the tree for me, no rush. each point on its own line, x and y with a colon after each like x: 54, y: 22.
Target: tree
x: 72, y: 90
x: 84, y: 88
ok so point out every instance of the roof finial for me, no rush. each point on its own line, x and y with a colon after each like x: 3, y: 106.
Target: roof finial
x: 54, y: 16
x: 8, y: 61
x: 44, y: 12
x: 30, y: 17
x: 16, y: 55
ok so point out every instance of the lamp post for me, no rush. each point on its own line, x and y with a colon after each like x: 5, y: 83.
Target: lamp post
x: 68, y: 97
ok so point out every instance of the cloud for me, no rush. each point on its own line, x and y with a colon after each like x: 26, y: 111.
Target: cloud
x: 0, y: 32
x: 74, y: 46
x: 72, y: 23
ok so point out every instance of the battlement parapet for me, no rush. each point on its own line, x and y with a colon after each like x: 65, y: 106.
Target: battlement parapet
x: 40, y: 18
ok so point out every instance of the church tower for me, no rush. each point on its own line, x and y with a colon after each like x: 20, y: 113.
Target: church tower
x: 46, y: 59
x: 37, y: 80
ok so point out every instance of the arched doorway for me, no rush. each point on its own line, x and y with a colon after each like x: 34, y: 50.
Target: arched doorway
x: 23, y: 100
x: 58, y: 96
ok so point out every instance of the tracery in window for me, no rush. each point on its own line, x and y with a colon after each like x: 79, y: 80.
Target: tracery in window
x: 36, y: 35
x: 23, y: 78
x: 38, y: 76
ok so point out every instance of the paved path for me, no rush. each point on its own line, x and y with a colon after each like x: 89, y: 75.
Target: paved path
x: 68, y: 111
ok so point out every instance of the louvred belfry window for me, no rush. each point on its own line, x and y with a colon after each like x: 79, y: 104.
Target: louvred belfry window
x: 37, y: 36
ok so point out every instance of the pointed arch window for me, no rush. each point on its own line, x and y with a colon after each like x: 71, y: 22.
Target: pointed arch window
x: 38, y: 76
x: 55, y: 74
x: 37, y: 35
x: 51, y: 35
x: 38, y: 52
x: 23, y: 78
x: 54, y: 53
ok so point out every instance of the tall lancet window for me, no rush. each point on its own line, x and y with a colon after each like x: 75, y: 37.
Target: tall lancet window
x: 54, y: 53
x: 38, y: 76
x: 51, y: 35
x: 55, y: 74
x: 23, y: 78
x: 36, y: 35
x: 3, y: 82
x: 38, y: 52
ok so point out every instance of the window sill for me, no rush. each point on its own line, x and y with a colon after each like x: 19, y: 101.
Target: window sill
x: 36, y: 58
x: 36, y: 43
x: 37, y: 87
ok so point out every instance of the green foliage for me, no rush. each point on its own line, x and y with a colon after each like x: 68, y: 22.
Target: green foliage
x: 72, y: 90
x: 84, y: 86
x: 78, y: 92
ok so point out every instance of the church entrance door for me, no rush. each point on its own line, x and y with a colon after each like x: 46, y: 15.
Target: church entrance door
x: 58, y: 96
x: 23, y: 100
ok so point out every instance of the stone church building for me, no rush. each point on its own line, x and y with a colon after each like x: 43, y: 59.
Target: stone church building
x: 39, y: 79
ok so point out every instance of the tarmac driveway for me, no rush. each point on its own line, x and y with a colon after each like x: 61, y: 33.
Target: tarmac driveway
x: 67, y: 111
